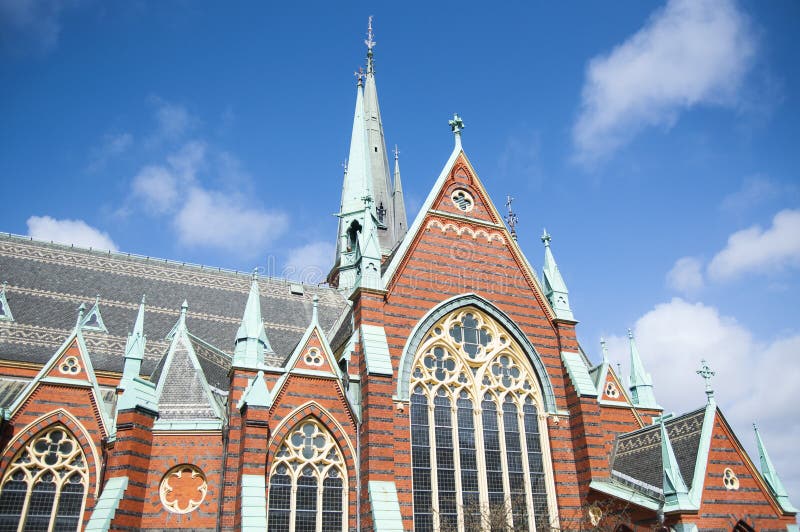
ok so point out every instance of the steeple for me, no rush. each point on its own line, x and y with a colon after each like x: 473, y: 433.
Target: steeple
x: 676, y: 494
x: 771, y: 475
x: 251, y: 339
x: 554, y: 286
x: 641, y: 383
x: 399, y: 206
x: 367, y: 176
x: 134, y: 348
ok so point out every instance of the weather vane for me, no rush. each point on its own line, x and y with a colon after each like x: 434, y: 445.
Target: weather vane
x: 511, y: 218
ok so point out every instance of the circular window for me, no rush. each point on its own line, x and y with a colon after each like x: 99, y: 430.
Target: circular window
x: 611, y: 390
x: 183, y: 488
x: 463, y: 200
x: 70, y: 366
x: 313, y: 357
x: 729, y: 479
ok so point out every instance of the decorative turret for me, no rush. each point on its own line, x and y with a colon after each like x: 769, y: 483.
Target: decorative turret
x: 134, y: 349
x: 554, y: 286
x: 641, y: 383
x: 771, y: 476
x: 676, y: 494
x: 368, y: 259
x: 400, y: 222
x: 251, y: 340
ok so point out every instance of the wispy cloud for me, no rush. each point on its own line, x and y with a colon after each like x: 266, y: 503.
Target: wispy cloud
x: 113, y: 145
x: 674, y: 336
x: 173, y: 122
x: 31, y: 26
x: 755, y: 191
x: 691, y: 52
x: 68, y: 232
x: 310, y: 263
x: 760, y: 250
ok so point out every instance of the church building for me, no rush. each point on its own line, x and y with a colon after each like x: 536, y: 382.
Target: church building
x: 435, y: 382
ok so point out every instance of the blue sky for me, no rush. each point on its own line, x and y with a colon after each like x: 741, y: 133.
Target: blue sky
x: 656, y: 142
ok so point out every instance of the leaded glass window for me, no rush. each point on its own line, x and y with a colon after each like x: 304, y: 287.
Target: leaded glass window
x: 44, y: 488
x: 477, y: 430
x: 308, y: 482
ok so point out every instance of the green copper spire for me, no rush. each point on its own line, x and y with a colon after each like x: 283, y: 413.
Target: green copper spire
x: 771, y: 475
x: 368, y: 261
x: 251, y: 340
x: 554, y: 286
x: 400, y: 221
x: 676, y: 494
x: 134, y: 348
x: 257, y: 393
x: 641, y: 384
x: 381, y: 186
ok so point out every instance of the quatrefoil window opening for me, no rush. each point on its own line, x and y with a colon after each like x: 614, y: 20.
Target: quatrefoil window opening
x: 313, y: 357
x: 472, y: 338
x: 463, y: 200
x: 611, y: 390
x: 70, y: 366
x: 730, y: 479
x: 183, y: 489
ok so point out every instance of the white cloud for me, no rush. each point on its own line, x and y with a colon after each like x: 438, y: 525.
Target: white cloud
x: 113, y: 145
x: 755, y: 378
x: 686, y: 276
x: 690, y: 52
x: 310, y: 263
x: 754, y: 191
x: 68, y: 232
x: 159, y: 186
x: 225, y: 221
x: 755, y: 249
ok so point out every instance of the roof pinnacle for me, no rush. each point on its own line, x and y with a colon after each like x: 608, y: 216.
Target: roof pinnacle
x: 370, y: 42
x: 604, y: 349
x: 314, y: 311
x: 359, y: 74
x: 546, y: 239
x: 396, y: 152
x: 81, y: 311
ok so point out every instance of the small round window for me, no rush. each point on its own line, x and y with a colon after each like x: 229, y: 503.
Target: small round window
x: 313, y: 357
x: 463, y: 200
x: 183, y: 488
x: 729, y: 479
x: 611, y: 390
x: 70, y: 366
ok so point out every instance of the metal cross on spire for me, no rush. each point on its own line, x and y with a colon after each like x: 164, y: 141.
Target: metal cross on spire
x: 456, y: 125
x: 706, y: 372
x: 511, y: 217
x: 546, y: 241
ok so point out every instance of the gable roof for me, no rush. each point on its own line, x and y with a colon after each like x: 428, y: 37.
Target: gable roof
x: 48, y: 281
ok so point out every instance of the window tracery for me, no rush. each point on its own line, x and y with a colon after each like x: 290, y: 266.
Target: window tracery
x: 308, y: 482
x: 477, y: 445
x: 183, y: 489
x: 44, y: 488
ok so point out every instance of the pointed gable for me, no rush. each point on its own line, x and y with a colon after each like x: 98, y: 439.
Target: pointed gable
x: 93, y: 321
x: 184, y: 396
x: 463, y: 195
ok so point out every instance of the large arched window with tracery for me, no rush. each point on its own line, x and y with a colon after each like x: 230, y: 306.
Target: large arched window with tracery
x: 308, y: 482
x: 476, y: 430
x: 45, y: 486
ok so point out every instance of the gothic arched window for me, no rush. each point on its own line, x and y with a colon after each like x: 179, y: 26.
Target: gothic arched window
x: 308, y: 482
x: 45, y: 486
x: 476, y: 430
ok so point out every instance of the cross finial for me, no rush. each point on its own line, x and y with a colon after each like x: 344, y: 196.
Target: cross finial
x: 359, y: 74
x: 370, y: 42
x: 630, y: 333
x: 511, y: 217
x: 367, y: 200
x: 545, y: 238
x: 396, y: 152
x: 456, y: 124
x: 706, y: 372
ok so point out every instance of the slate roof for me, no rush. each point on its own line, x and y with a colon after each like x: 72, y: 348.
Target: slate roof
x: 47, y: 282
x: 637, y: 455
x: 183, y: 396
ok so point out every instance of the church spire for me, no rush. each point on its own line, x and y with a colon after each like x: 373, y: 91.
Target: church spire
x: 382, y: 194
x: 675, y: 491
x: 641, y: 383
x: 134, y: 348
x: 399, y: 206
x: 251, y: 339
x: 554, y: 286
x: 771, y: 475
